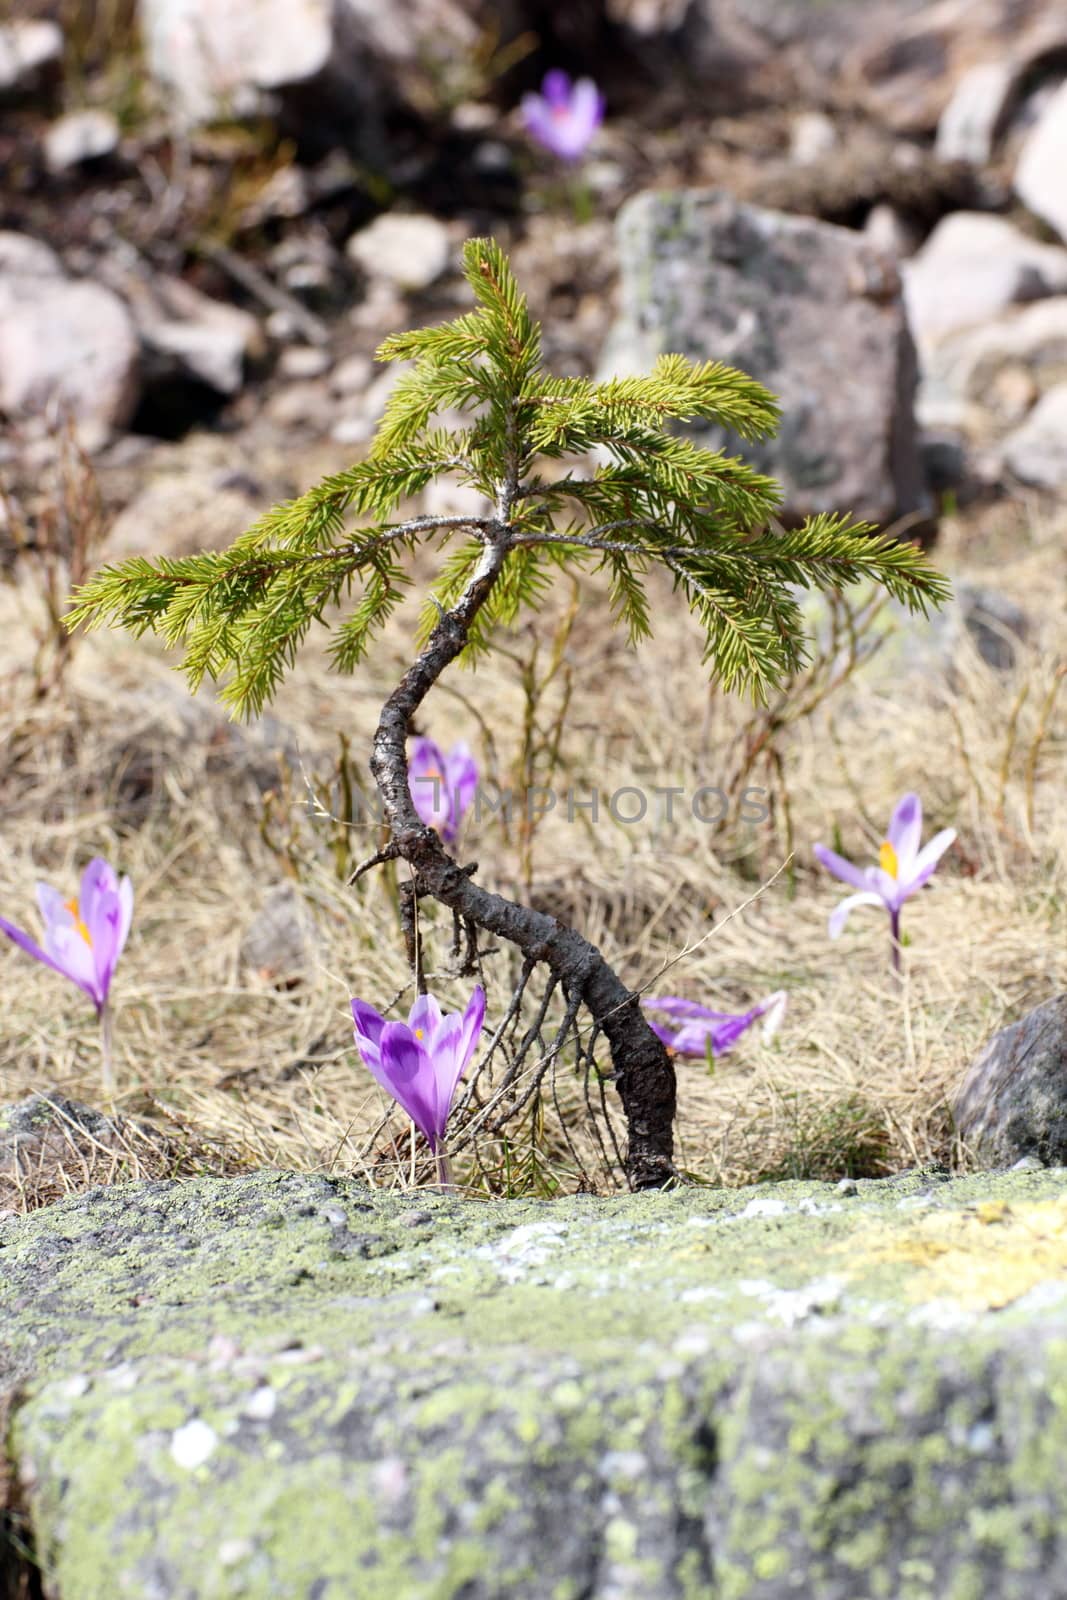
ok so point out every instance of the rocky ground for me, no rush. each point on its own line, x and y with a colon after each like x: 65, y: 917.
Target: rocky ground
x: 288, y: 1385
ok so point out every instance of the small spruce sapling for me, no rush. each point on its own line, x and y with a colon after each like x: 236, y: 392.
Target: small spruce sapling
x: 656, y: 500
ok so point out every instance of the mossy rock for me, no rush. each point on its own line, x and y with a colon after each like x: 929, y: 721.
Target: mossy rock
x: 288, y: 1386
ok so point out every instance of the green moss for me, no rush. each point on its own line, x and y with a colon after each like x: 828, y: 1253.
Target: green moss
x: 651, y: 1382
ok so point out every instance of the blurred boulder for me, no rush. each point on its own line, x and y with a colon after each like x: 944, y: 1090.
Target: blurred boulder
x: 281, y: 942
x: 978, y: 374
x: 29, y: 51
x: 1036, y: 451
x: 216, y: 60
x: 190, y: 334
x: 325, y: 58
x: 64, y: 342
x: 977, y: 112
x: 1041, y: 174
x: 912, y: 63
x: 811, y: 310
x: 409, y: 252
x: 971, y: 268
x: 1012, y: 1103
x: 79, y: 137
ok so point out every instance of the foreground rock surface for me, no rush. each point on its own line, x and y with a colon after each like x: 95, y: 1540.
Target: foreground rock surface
x: 1013, y: 1102
x: 811, y: 310
x: 287, y: 1385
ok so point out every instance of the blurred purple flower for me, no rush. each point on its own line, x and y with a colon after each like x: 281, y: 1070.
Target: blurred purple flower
x: 442, y: 787
x: 702, y: 1029
x: 564, y: 116
x: 83, y: 937
x: 420, y: 1061
x: 903, y: 868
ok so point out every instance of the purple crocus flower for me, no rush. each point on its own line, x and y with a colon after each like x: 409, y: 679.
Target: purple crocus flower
x: 442, y: 787
x: 564, y: 116
x: 903, y: 868
x: 420, y: 1061
x: 702, y: 1029
x: 83, y: 937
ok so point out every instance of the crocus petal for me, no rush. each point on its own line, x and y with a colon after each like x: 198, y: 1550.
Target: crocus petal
x: 726, y: 1034
x: 556, y: 88
x: 448, y: 1064
x: 473, y: 1018
x: 842, y: 912
x: 662, y: 1032
x: 98, y: 881
x: 53, y: 907
x: 858, y: 877
x: 905, y: 831
x: 424, y: 1020
x: 925, y: 862
x: 106, y: 913
x: 407, y: 1072
x: 369, y: 1023
x: 538, y: 119
x: 673, y: 1005
x: 693, y: 1038
x: 773, y: 1010
x: 428, y: 785
x: 586, y: 113
x: 86, y: 981
x: 461, y: 776
x: 126, y: 914
x: 74, y: 958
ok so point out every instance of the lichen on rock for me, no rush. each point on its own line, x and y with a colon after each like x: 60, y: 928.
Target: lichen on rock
x: 288, y: 1385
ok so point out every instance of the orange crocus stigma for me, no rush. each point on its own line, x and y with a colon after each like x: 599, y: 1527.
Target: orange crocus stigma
x: 887, y: 860
x: 72, y: 907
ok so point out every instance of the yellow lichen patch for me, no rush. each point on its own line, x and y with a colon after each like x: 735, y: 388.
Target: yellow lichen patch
x: 982, y: 1259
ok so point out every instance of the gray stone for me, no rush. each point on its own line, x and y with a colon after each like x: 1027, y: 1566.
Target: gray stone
x: 811, y: 137
x: 339, y: 60
x: 809, y: 309
x: 353, y: 375
x: 66, y: 343
x: 78, y: 137
x: 912, y: 59
x: 1013, y: 1102
x: 276, y: 1386
x: 968, y: 368
x: 408, y: 252
x: 889, y: 233
x: 1036, y: 451
x: 27, y: 51
x: 22, y: 256
x: 280, y: 942
x: 971, y: 269
x: 189, y: 333
x: 977, y: 112
x: 50, y: 1144
x: 304, y: 361
x: 1039, y: 175
x: 218, y: 59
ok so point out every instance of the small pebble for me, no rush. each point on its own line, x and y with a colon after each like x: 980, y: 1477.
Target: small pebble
x: 193, y: 1443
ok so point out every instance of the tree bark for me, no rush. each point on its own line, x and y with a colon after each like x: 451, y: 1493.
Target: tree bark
x: 643, y: 1072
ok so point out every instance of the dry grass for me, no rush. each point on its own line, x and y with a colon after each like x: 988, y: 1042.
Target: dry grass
x: 859, y: 1078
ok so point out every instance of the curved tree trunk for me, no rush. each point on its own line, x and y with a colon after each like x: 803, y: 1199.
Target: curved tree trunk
x: 644, y: 1075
